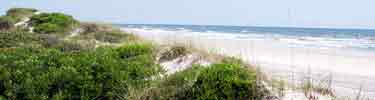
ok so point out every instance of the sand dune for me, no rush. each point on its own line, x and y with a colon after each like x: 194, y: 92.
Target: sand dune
x: 348, y: 69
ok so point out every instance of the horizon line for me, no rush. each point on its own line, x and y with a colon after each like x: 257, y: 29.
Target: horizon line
x: 261, y: 26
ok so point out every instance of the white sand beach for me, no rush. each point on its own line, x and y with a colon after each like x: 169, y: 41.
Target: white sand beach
x: 348, y: 70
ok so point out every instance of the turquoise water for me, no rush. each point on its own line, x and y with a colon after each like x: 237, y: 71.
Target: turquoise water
x: 363, y: 39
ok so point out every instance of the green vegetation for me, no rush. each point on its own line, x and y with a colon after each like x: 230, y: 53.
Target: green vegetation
x: 105, y: 73
x: 227, y: 80
x: 6, y: 23
x: 19, y: 39
x: 98, y: 27
x: 104, y: 33
x: 172, y: 87
x: 73, y: 46
x: 46, y: 65
x: 53, y: 23
x: 106, y: 37
x: 112, y: 37
x: 20, y: 13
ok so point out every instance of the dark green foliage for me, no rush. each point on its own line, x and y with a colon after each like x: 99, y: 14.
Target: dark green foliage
x: 39, y: 74
x: 141, y: 58
x: 173, y: 53
x: 184, y: 78
x: 19, y: 13
x: 6, y: 23
x: 19, y: 39
x: 53, y: 23
x: 134, y: 49
x: 175, y: 86
x: 226, y: 81
x: 48, y: 28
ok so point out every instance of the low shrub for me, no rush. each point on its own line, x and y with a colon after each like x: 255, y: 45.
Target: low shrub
x: 176, y: 85
x: 40, y: 74
x: 19, y: 39
x: 19, y: 13
x: 6, y: 23
x: 53, y: 23
x: 74, y: 46
x: 25, y: 39
x: 97, y: 27
x: 132, y: 50
x: 103, y: 33
x: 50, y: 40
x: 48, y: 28
x: 227, y: 80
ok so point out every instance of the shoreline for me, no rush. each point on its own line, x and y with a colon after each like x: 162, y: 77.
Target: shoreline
x: 273, y: 57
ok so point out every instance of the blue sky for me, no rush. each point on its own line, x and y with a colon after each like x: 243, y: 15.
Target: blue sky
x: 305, y: 13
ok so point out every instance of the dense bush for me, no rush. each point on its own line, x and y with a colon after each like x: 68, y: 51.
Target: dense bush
x: 175, y: 86
x: 6, y: 23
x: 133, y: 50
x: 228, y: 80
x: 48, y: 28
x: 225, y: 81
x: 19, y: 39
x: 39, y: 74
x: 53, y: 23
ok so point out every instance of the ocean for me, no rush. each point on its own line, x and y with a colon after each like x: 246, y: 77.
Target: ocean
x: 359, y: 39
